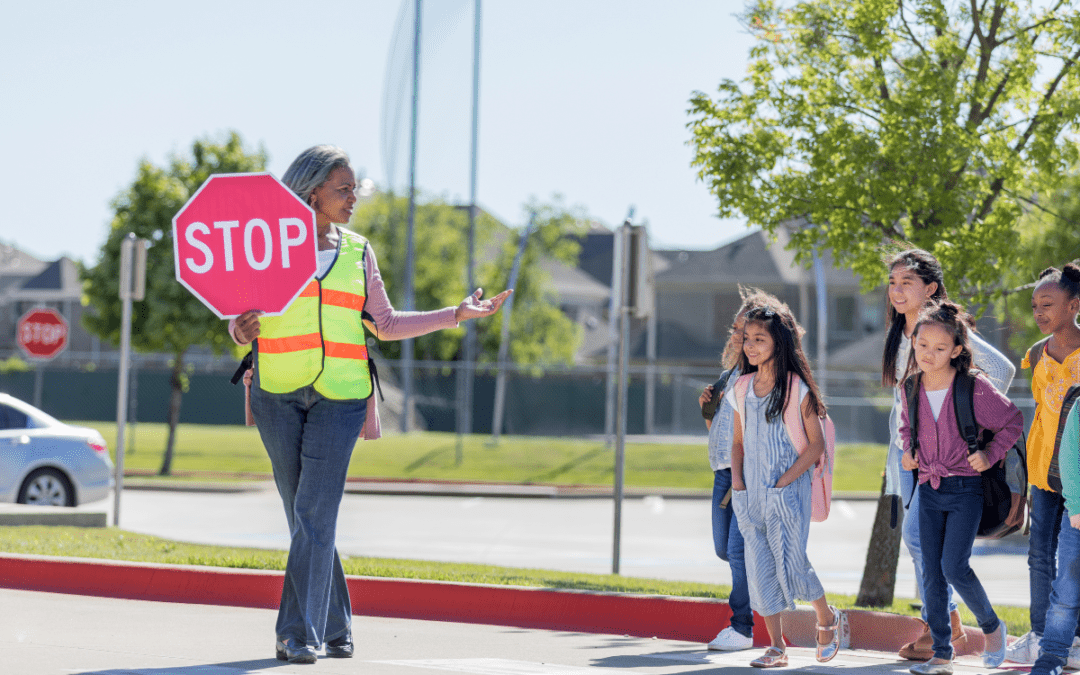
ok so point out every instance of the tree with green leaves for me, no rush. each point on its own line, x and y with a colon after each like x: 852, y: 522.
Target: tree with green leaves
x: 170, y: 319
x: 541, y: 332
x: 908, y: 120
x: 1049, y: 237
x: 885, y: 122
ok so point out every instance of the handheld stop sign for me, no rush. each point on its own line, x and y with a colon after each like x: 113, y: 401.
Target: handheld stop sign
x: 245, y: 241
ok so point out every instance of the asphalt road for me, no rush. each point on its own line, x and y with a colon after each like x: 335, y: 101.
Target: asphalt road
x: 661, y: 538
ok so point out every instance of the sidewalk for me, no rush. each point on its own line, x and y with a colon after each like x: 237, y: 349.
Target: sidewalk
x: 52, y: 634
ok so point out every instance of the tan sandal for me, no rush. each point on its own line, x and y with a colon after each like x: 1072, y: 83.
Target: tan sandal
x: 772, y: 658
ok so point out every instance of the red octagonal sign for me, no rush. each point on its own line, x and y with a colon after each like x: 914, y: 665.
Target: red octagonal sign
x: 41, y: 333
x: 245, y: 241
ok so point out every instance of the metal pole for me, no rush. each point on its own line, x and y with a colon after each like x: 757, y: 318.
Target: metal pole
x: 410, y: 263
x: 470, y: 327
x: 467, y: 373
x: 822, y: 324
x: 127, y: 247
x: 39, y: 384
x: 613, y: 329
x: 620, y: 425
x: 504, y: 338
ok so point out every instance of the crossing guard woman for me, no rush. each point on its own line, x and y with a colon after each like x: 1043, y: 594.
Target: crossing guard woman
x: 311, y: 397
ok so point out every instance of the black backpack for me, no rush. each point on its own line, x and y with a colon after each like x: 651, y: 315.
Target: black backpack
x: 997, y: 493
x: 1053, y: 476
x: 708, y: 411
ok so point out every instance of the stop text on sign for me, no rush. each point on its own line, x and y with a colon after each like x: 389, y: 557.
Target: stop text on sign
x: 32, y: 333
x: 258, y: 254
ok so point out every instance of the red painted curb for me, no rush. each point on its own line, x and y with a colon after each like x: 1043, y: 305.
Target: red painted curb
x: 689, y: 619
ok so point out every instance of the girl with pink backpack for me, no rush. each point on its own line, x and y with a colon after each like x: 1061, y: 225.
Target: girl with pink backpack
x: 772, y: 475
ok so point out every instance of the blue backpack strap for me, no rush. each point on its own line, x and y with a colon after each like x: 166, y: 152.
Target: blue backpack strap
x: 911, y: 394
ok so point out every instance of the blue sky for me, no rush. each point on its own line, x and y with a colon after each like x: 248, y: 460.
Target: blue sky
x: 583, y: 98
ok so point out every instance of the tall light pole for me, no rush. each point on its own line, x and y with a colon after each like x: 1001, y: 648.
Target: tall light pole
x: 410, y: 253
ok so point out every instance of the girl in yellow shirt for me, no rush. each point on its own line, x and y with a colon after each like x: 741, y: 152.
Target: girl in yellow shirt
x: 1055, y: 303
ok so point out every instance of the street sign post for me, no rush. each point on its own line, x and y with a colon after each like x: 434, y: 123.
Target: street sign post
x: 245, y: 241
x: 41, y: 333
x: 132, y: 287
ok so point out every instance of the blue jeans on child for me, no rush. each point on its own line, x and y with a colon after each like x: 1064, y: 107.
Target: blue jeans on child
x: 1047, y: 508
x: 1064, y: 610
x: 951, y: 514
x: 910, y: 534
x: 310, y: 439
x: 729, y: 547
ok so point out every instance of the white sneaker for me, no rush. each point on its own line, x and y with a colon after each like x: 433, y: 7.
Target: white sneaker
x: 731, y: 640
x: 1074, y: 655
x: 1025, y: 650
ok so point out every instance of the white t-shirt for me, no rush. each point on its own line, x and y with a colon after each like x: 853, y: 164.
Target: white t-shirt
x: 937, y: 398
x: 326, y: 259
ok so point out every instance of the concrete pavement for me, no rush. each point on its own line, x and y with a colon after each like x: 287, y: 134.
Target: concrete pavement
x: 55, y: 634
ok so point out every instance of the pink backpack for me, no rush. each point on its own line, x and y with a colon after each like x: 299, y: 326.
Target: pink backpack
x: 821, y: 479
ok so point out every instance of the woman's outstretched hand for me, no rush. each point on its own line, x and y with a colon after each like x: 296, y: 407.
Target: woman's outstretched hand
x: 473, y: 307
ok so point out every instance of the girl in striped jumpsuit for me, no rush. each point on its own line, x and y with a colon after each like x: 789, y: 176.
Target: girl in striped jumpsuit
x: 771, y: 480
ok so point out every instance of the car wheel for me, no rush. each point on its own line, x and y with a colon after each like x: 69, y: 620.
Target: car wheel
x: 47, y: 487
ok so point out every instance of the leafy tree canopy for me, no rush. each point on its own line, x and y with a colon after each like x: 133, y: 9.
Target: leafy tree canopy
x: 540, y: 332
x: 914, y: 121
x: 170, y: 319
x: 1049, y: 237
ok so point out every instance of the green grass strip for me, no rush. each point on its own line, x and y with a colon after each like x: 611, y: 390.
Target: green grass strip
x: 237, y: 451
x: 116, y: 544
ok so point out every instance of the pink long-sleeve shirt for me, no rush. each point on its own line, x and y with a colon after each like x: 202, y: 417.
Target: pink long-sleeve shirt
x: 390, y: 324
x: 942, y: 450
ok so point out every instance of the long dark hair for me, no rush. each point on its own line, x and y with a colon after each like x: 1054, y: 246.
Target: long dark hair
x: 788, y: 357
x: 928, y: 269
x: 956, y: 323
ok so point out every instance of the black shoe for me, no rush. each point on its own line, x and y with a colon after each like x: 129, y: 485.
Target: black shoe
x: 340, y: 647
x: 294, y: 650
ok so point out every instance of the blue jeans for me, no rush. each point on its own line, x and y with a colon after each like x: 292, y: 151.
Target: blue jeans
x: 729, y: 547
x: 310, y: 439
x: 911, y: 537
x: 1064, y: 610
x: 1047, y: 509
x: 951, y: 514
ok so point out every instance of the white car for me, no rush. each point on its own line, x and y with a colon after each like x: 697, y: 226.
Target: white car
x: 44, y: 461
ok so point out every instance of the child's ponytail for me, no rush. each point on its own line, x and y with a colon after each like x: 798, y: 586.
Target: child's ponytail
x: 957, y: 323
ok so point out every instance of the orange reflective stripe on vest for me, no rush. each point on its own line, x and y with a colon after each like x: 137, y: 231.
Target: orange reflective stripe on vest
x: 343, y: 299
x: 343, y: 350
x: 294, y: 343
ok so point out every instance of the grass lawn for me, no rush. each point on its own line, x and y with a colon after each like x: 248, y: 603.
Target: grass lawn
x: 116, y: 544
x: 237, y: 450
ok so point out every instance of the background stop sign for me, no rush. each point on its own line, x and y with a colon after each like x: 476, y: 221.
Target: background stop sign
x: 245, y: 241
x: 41, y: 333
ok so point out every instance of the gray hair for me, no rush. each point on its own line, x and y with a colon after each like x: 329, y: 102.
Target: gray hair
x: 313, y: 167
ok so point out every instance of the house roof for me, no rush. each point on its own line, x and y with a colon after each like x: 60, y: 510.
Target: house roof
x: 751, y: 260
x: 58, y: 280
x: 575, y: 285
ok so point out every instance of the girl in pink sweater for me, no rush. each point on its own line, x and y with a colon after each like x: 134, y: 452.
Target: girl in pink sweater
x: 949, y: 481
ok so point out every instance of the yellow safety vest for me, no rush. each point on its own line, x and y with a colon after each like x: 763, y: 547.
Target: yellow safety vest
x: 320, y: 340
